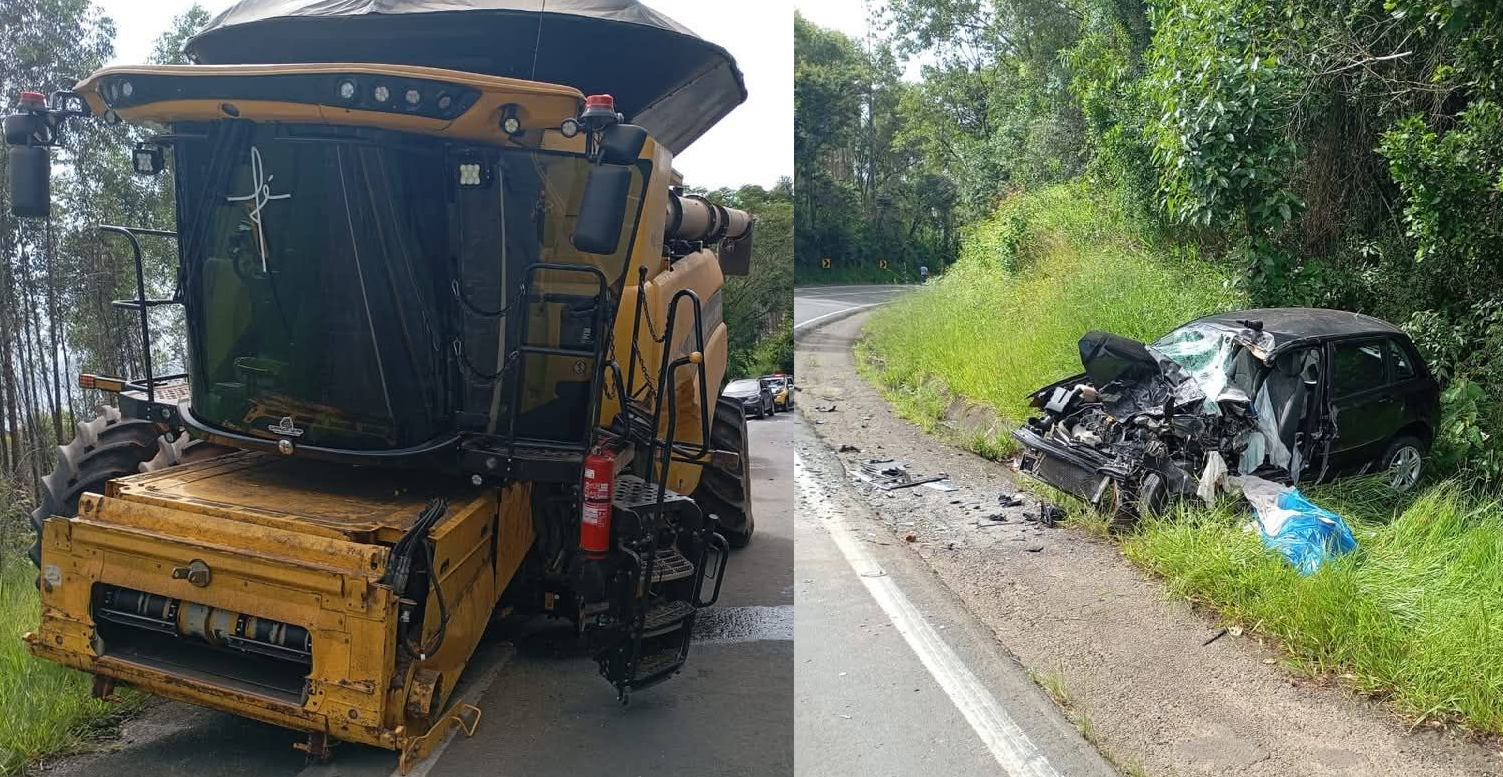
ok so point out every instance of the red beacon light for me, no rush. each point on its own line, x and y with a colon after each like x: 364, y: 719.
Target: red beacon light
x: 599, y: 112
x: 34, y: 101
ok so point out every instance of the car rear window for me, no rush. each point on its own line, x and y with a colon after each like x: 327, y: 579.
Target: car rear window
x: 1358, y: 367
x: 1403, y: 368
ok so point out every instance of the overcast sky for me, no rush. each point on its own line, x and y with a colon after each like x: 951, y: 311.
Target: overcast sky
x: 753, y: 145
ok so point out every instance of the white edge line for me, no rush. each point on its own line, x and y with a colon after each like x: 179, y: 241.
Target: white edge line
x: 1008, y: 744
x: 842, y: 311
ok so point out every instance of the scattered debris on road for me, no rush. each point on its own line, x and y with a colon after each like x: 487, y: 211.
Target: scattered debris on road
x: 892, y: 474
x: 1009, y: 500
x: 1218, y: 635
x: 826, y: 408
x: 849, y: 448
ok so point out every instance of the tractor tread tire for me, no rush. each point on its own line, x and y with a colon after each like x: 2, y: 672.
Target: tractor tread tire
x: 105, y: 448
x: 726, y: 492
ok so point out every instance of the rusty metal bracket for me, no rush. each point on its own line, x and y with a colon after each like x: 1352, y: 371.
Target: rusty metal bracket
x: 464, y: 715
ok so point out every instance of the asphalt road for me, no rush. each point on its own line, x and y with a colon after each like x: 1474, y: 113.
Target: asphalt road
x: 545, y: 711
x: 813, y: 305
x: 895, y: 675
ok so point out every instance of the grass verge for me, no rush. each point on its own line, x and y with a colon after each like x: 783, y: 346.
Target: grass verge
x: 1412, y: 617
x: 45, y: 708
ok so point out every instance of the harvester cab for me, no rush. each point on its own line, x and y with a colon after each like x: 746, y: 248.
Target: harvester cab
x: 453, y: 339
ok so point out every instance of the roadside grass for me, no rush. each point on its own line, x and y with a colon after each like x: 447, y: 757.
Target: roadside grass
x: 1414, y: 616
x: 45, y: 708
x: 1411, y: 617
x: 993, y: 329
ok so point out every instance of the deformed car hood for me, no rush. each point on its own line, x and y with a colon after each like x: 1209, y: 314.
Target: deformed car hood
x: 1132, y: 378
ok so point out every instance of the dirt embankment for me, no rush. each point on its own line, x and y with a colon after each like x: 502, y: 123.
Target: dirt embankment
x: 1069, y: 606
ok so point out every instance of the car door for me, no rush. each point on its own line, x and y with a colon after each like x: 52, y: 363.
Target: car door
x: 1365, y: 412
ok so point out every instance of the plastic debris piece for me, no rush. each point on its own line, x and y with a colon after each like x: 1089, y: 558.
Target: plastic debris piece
x: 1305, y: 534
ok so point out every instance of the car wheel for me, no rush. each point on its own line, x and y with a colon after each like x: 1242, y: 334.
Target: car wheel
x: 1404, y: 462
x: 1153, y: 496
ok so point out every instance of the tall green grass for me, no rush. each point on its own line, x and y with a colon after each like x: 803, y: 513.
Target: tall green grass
x: 1412, y: 616
x: 1415, y: 615
x: 1005, y: 319
x: 45, y: 708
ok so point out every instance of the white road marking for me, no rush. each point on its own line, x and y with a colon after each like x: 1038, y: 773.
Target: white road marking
x: 719, y: 625
x: 818, y: 319
x: 1006, y: 741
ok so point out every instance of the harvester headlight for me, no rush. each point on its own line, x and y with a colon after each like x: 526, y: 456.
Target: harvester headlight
x: 127, y: 89
x: 381, y: 93
x: 445, y: 100
x: 569, y: 128
x: 147, y: 159
x: 347, y: 90
x: 471, y: 173
x: 413, y: 97
x: 512, y: 125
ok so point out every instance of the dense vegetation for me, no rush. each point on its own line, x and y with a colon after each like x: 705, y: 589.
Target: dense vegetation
x: 1339, y: 154
x: 1125, y: 165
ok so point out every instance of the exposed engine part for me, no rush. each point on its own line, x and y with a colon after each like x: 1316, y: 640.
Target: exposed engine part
x: 190, y: 620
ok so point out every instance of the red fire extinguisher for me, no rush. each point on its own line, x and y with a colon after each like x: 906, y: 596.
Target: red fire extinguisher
x: 595, y: 507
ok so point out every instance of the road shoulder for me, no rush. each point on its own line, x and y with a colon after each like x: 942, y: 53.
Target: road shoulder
x: 1073, y: 610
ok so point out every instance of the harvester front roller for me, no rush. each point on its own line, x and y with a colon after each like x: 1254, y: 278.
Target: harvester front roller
x: 726, y: 491
x: 108, y: 447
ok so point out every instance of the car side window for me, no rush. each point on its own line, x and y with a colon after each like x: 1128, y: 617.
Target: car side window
x: 1357, y: 368
x: 1403, y: 368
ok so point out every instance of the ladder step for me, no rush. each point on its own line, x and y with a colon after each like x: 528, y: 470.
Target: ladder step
x: 666, y: 617
x: 655, y: 666
x: 670, y: 565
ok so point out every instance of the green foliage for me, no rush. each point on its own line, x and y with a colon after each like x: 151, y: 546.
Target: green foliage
x: 867, y: 200
x: 45, y: 708
x: 1451, y: 184
x: 1223, y: 100
x: 759, y: 307
x: 992, y: 334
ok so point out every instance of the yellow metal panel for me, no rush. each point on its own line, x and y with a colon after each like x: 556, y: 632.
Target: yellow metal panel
x: 539, y: 106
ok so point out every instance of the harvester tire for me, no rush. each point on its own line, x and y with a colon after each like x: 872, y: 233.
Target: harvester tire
x: 108, y: 447
x: 726, y: 491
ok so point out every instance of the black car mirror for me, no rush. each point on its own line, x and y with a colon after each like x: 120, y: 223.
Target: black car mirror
x: 602, y: 209
x: 29, y: 181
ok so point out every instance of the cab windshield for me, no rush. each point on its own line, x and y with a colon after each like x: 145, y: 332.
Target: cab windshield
x: 345, y: 289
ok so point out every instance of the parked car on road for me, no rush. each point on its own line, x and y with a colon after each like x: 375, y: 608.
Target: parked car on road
x: 782, y: 391
x: 1288, y: 394
x: 754, y: 395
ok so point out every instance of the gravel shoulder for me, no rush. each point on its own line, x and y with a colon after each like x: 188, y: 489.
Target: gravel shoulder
x: 1070, y: 607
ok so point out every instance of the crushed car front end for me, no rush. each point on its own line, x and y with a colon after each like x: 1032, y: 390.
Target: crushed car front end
x: 1145, y: 425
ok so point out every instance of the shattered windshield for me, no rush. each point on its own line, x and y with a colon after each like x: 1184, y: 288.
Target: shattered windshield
x: 344, y: 291
x: 1207, y: 354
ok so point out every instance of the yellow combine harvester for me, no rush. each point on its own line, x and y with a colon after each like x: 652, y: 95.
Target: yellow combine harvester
x: 453, y: 335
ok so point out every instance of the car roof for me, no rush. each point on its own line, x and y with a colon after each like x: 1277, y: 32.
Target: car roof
x: 1287, y: 325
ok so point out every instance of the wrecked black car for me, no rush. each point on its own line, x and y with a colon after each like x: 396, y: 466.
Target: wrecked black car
x: 1286, y: 394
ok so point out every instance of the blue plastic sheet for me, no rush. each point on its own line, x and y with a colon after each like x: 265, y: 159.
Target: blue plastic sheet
x: 1303, y: 532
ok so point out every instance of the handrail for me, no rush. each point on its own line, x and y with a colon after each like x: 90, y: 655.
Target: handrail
x: 141, y: 302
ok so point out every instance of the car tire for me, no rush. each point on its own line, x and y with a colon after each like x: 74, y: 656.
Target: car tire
x: 1153, y: 496
x: 1408, y: 453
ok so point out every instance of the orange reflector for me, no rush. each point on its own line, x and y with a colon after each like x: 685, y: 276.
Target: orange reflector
x: 88, y: 381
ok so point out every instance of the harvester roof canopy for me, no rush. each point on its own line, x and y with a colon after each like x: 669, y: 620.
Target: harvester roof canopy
x: 663, y: 76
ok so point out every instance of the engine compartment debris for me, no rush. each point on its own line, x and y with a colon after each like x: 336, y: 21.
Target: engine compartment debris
x: 1234, y: 395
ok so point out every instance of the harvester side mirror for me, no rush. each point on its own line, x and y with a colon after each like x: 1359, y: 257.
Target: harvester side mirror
x: 29, y: 180
x: 602, y: 209
x: 736, y: 254
x: 621, y: 144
